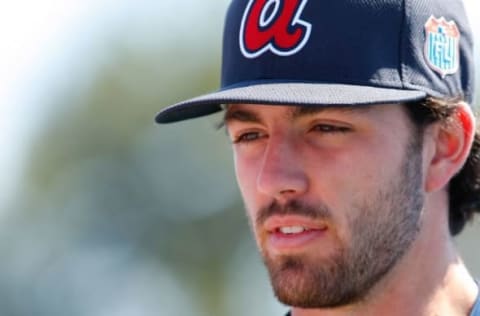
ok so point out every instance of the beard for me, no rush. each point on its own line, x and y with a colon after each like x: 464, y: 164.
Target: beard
x: 386, y: 224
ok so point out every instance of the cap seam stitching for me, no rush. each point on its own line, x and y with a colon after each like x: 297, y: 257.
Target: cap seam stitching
x: 402, y: 67
x: 356, y: 82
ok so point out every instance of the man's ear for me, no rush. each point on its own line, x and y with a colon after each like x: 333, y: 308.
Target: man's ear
x: 451, y: 142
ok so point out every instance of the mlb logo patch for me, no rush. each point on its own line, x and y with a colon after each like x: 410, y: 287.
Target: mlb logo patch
x: 442, y: 45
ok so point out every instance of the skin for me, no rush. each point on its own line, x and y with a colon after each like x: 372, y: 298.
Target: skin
x: 341, y: 158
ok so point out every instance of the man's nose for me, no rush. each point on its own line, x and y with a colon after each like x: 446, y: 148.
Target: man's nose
x: 282, y: 175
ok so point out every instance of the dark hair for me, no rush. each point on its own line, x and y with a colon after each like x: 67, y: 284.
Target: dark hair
x: 464, y: 187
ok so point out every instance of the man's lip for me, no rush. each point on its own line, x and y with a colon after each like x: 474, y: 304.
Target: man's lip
x: 274, y: 223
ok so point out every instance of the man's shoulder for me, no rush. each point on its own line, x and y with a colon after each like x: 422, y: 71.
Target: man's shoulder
x: 476, y: 307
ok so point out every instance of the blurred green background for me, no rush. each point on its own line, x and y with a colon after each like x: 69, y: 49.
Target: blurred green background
x: 102, y: 212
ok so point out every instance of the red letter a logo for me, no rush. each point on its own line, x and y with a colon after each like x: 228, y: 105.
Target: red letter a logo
x: 273, y: 25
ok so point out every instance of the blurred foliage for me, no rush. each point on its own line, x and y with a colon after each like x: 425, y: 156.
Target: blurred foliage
x: 108, y: 193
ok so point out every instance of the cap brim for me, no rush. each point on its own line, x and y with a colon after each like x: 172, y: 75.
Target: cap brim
x: 304, y: 94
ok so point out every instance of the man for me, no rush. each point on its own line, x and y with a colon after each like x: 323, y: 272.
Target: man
x: 355, y: 150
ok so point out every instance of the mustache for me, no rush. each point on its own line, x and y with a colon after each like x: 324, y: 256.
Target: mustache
x: 293, y: 207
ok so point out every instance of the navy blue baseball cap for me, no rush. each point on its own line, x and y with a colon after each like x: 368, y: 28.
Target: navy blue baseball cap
x: 339, y: 52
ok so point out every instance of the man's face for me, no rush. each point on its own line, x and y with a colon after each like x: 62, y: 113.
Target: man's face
x: 334, y: 196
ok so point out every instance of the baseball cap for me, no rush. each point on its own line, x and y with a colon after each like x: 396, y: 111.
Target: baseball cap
x: 339, y: 52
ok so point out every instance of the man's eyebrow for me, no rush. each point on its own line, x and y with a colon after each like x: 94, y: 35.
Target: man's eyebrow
x: 296, y: 112
x: 302, y: 111
x: 240, y: 115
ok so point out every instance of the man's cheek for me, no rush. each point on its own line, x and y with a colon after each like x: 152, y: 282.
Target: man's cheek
x: 246, y: 182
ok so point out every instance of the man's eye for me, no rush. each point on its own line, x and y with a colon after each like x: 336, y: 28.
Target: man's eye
x: 327, y: 128
x: 247, y: 137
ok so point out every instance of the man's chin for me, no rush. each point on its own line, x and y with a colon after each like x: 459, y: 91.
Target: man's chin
x: 305, y: 282
x: 288, y: 279
x: 296, y: 284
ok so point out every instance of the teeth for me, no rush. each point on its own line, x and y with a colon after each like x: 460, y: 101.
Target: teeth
x: 292, y: 230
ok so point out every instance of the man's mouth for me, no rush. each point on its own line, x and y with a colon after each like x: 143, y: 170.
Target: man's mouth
x: 292, y: 230
x: 292, y: 224
x: 293, y: 233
